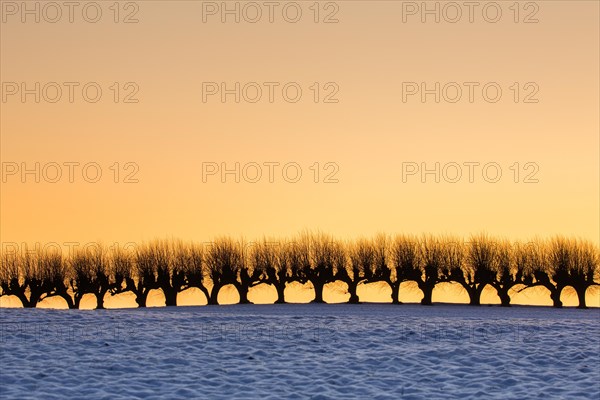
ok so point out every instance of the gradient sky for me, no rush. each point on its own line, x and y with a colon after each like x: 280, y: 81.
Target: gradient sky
x: 369, y: 133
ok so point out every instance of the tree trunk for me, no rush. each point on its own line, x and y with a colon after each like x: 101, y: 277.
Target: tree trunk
x: 22, y: 298
x: 100, y: 299
x: 475, y: 295
x: 504, y: 297
x: 395, y: 292
x: 214, y: 293
x: 68, y: 299
x: 34, y: 298
x: 352, y: 286
x: 141, y: 297
x: 243, y: 291
x: 581, y: 296
x: 170, y: 297
x: 555, y: 296
x: 427, y: 294
x: 280, y: 293
x: 318, y: 286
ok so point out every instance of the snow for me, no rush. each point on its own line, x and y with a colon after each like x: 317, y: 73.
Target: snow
x: 324, y: 351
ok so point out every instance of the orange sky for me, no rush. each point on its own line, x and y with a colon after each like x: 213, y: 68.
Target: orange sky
x: 369, y: 133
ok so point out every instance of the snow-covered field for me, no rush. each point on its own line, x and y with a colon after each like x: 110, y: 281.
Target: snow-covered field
x: 301, y: 351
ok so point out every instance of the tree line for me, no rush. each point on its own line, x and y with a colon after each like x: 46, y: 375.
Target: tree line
x: 174, y: 266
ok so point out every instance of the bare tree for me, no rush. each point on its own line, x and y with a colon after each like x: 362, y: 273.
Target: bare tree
x: 189, y: 260
x: 508, y: 269
x: 406, y: 264
x: 36, y: 277
x: 224, y: 260
x: 322, y: 263
x: 549, y: 266
x: 15, y: 273
x: 583, y: 270
x: 170, y: 275
x: 53, y: 273
x: 271, y: 261
x: 145, y: 274
x: 248, y: 276
x: 362, y: 258
x: 89, y: 269
x: 432, y: 256
x: 474, y: 271
x: 132, y: 271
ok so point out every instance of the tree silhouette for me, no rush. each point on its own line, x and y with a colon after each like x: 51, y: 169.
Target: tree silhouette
x: 585, y: 270
x: 158, y: 258
x: 432, y: 256
x: 271, y: 261
x: 406, y: 264
x: 323, y: 263
x: 54, y: 276
x: 474, y: 271
x: 145, y: 275
x: 14, y: 276
x: 189, y: 260
x: 248, y: 275
x: 34, y: 277
x: 508, y: 269
x: 549, y: 266
x: 131, y: 271
x: 362, y: 258
x: 224, y: 260
x: 89, y: 274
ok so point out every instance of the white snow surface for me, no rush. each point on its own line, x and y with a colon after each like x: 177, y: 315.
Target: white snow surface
x: 342, y: 351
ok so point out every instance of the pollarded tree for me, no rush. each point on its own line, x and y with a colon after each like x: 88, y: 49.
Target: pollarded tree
x: 170, y: 276
x: 132, y: 271
x: 121, y: 267
x: 323, y: 260
x: 405, y: 264
x: 432, y: 256
x: 145, y: 274
x: 89, y: 270
x: 189, y: 259
x: 271, y: 261
x: 55, y: 276
x: 82, y: 275
x: 224, y: 260
x: 24, y: 277
x: 362, y: 257
x: 583, y: 270
x: 550, y: 262
x: 508, y: 269
x: 368, y: 264
x: 248, y: 275
x: 474, y: 271
x: 35, y: 278
x: 13, y: 277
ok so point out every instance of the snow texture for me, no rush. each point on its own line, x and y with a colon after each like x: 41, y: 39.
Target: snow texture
x: 367, y: 351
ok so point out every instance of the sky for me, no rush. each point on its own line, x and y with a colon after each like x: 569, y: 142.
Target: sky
x: 137, y: 133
